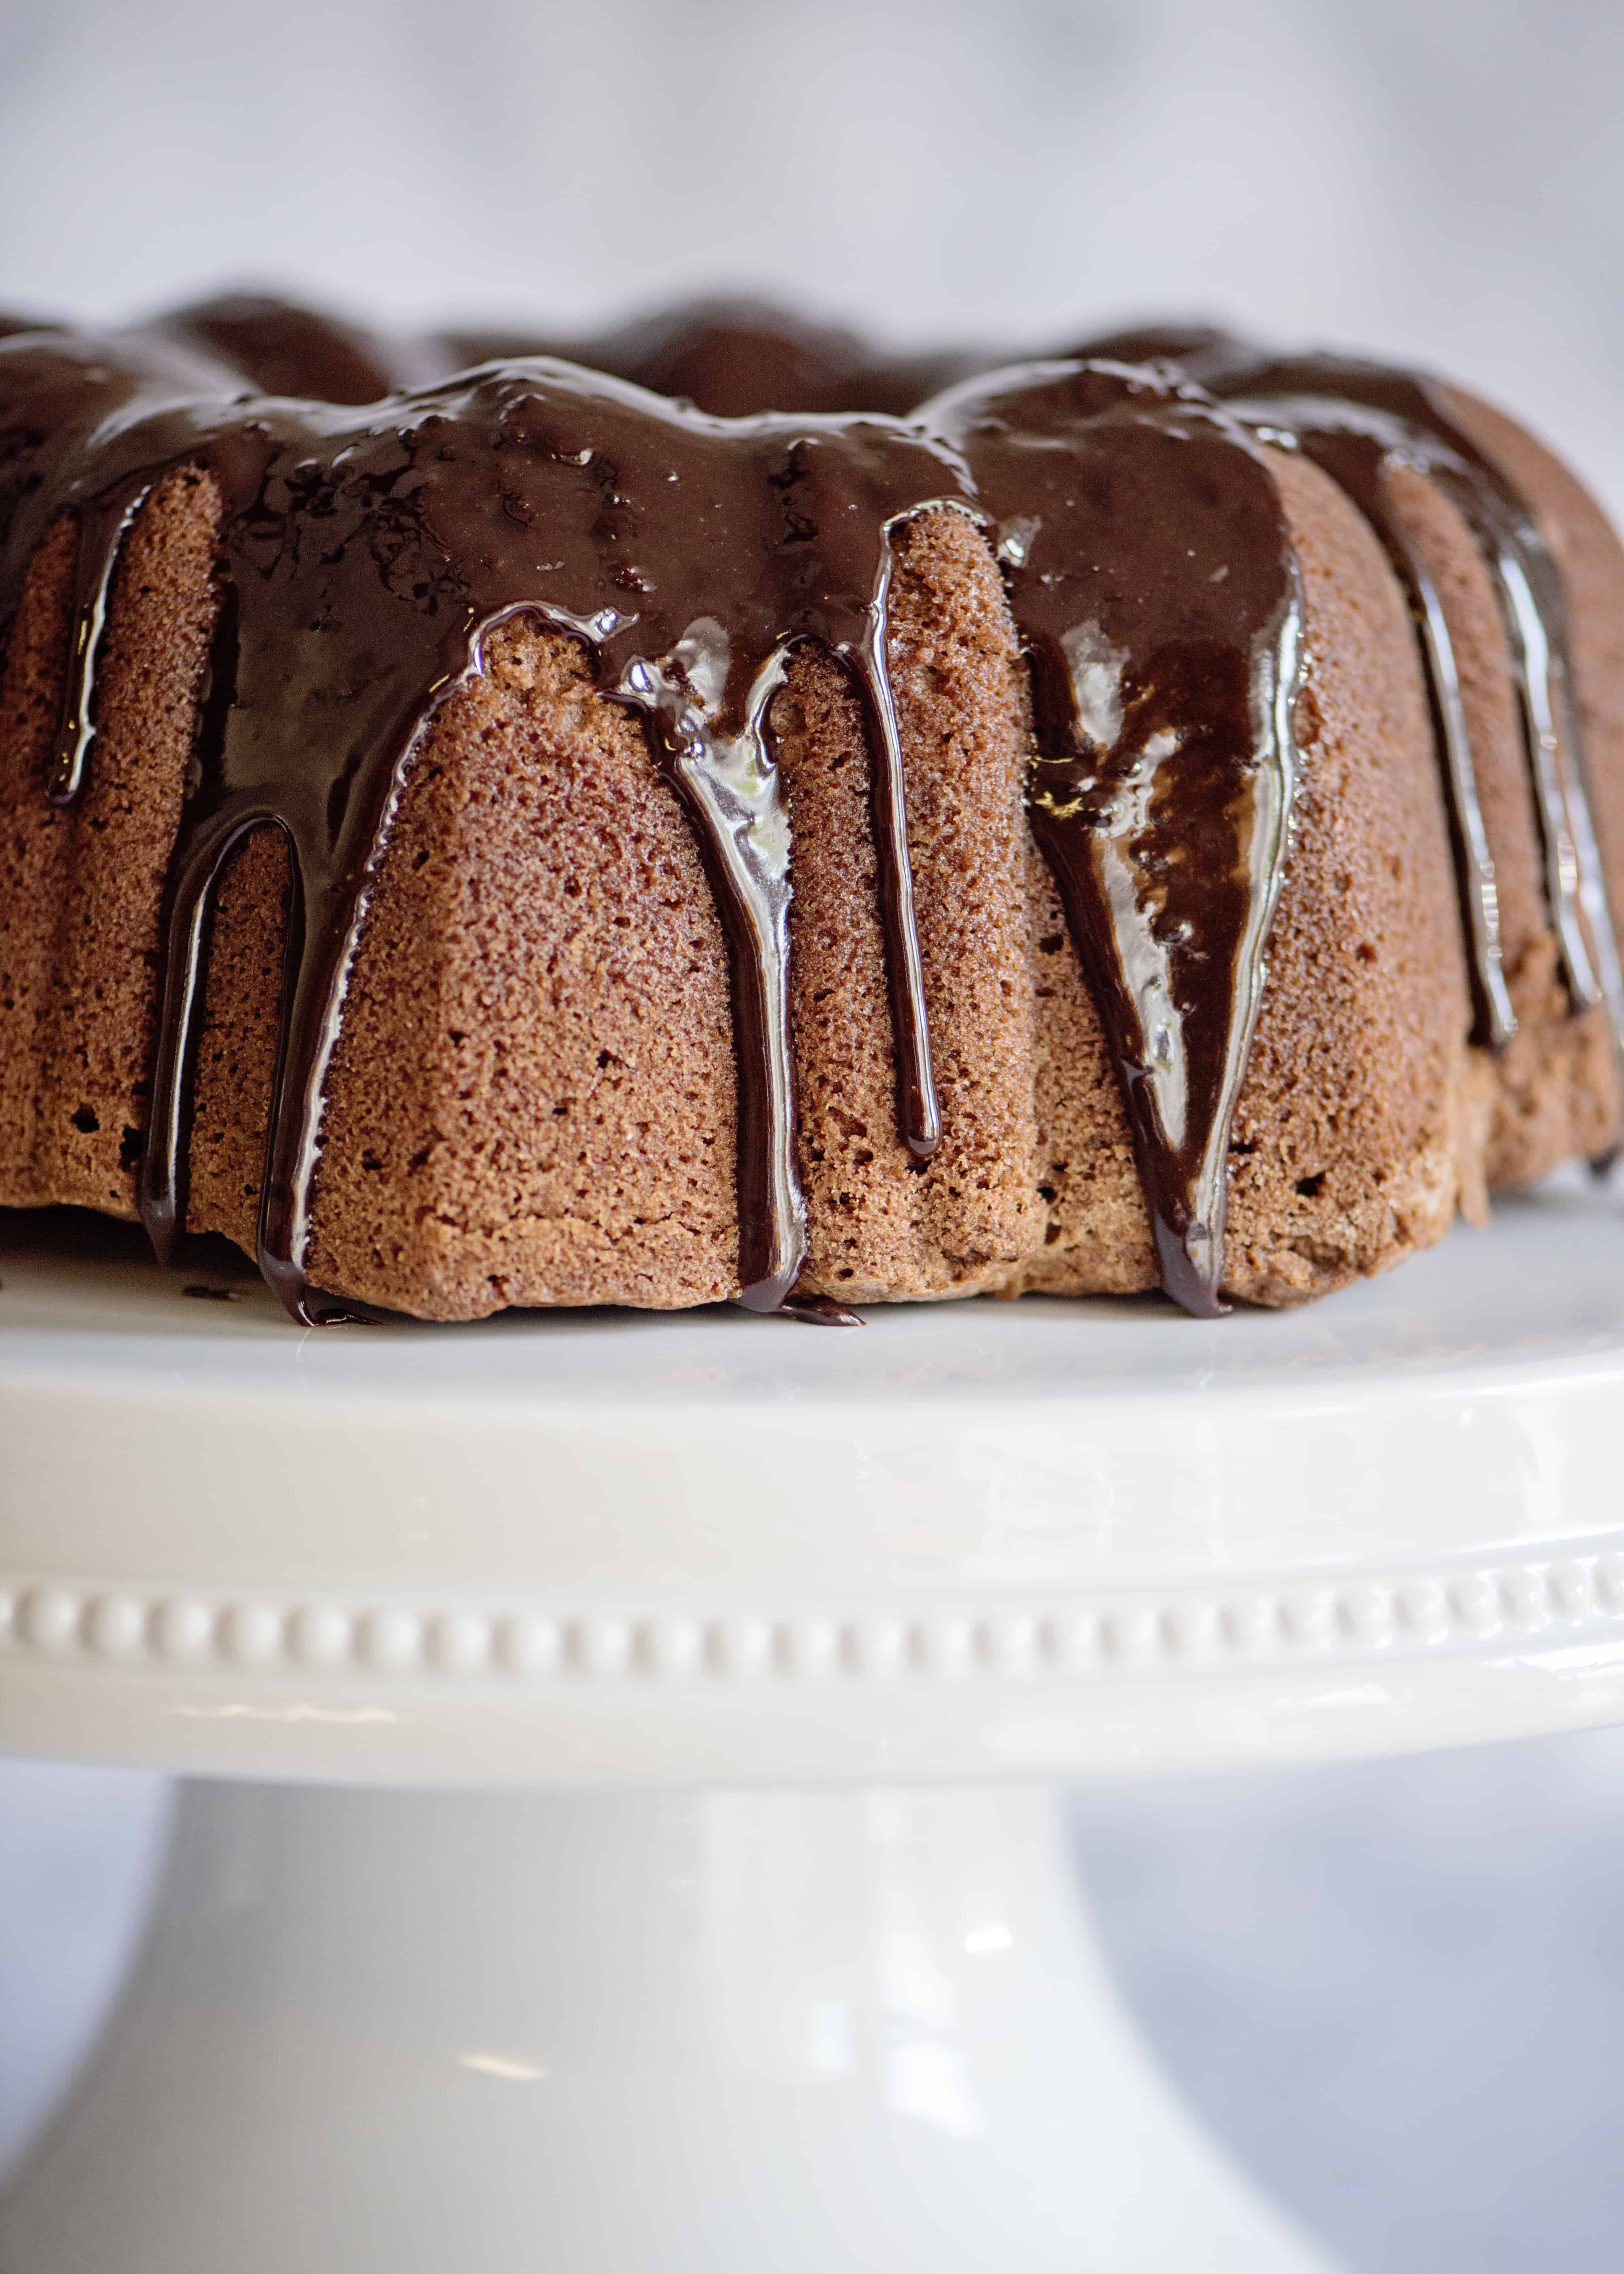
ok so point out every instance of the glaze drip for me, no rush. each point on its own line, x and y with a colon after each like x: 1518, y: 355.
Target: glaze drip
x: 1155, y: 586
x: 1358, y: 419
x: 1358, y: 447
x: 104, y: 525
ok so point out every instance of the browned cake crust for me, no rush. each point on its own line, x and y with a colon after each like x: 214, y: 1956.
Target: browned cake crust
x: 881, y: 1224
x: 543, y: 956
x: 533, y: 1099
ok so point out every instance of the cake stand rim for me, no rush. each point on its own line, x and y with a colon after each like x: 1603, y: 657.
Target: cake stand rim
x: 964, y: 1576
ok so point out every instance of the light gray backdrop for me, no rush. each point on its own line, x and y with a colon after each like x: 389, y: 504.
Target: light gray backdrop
x: 1398, y: 1990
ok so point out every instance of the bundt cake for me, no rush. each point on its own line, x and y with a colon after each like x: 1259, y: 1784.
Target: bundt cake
x: 659, y: 820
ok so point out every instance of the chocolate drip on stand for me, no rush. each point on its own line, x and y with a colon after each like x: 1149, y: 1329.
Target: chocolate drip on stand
x: 1154, y: 581
x: 819, y: 1311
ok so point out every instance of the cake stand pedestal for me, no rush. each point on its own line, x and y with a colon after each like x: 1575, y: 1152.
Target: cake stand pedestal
x: 618, y: 1838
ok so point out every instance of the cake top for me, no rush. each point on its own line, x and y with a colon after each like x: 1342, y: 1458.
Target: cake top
x: 384, y: 508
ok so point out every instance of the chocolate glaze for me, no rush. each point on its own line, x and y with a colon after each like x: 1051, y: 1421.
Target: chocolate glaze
x: 367, y: 553
x: 283, y: 349
x: 734, y: 357
x: 1358, y: 419
x: 1530, y: 595
x: 364, y: 558
x: 1154, y: 581
x: 1356, y: 448
x: 741, y: 357
x: 818, y: 1311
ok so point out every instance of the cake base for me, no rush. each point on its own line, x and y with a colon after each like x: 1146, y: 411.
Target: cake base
x: 396, y: 2033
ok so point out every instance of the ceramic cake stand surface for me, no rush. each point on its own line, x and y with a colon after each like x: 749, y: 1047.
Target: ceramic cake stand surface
x: 619, y: 1842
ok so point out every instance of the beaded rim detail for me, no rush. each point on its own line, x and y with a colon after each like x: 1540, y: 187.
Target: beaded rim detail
x: 1240, y: 1626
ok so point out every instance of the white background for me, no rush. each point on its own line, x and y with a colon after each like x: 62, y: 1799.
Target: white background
x: 1439, y: 178
x: 1397, y: 1990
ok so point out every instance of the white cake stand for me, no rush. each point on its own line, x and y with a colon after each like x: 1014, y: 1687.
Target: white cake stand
x: 618, y: 1843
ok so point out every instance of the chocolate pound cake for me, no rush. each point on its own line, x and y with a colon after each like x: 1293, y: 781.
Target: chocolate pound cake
x: 584, y: 831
